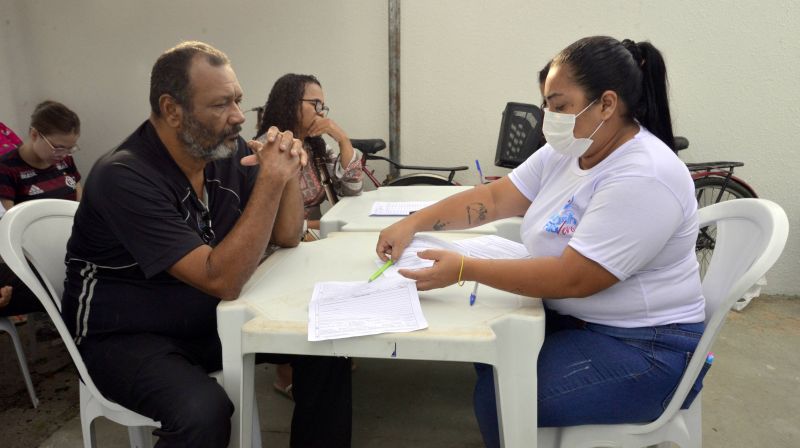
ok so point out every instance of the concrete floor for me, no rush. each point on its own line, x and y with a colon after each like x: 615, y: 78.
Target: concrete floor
x: 751, y: 396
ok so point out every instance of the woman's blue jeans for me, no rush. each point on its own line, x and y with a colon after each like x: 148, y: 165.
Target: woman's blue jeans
x: 597, y: 374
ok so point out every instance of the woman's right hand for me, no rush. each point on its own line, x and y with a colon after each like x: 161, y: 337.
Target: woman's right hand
x: 394, y: 239
x: 326, y: 126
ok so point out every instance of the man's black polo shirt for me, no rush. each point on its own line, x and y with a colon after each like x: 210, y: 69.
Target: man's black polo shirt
x: 138, y: 217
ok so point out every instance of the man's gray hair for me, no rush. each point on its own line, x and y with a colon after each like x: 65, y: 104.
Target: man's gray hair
x: 170, y: 74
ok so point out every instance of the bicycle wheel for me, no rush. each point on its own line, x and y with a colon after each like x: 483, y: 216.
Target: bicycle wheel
x: 418, y: 179
x: 707, y: 191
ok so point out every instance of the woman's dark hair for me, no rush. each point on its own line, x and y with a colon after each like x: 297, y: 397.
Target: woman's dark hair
x: 283, y: 105
x: 52, y: 117
x: 542, y: 78
x: 635, y: 71
x: 543, y: 73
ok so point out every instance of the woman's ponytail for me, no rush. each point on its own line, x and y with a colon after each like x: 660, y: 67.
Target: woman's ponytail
x: 636, y: 71
x: 653, y: 108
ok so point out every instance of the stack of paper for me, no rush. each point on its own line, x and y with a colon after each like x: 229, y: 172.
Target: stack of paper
x: 410, y: 260
x: 390, y: 304
x: 492, y: 247
x: 346, y: 309
x: 487, y: 246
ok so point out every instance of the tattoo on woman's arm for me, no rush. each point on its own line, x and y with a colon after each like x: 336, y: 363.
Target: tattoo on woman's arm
x: 476, y: 212
x: 439, y: 225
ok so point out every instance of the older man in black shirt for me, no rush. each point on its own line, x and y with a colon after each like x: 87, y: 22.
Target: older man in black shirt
x: 173, y: 220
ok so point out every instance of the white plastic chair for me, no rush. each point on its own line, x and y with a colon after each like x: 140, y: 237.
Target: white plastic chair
x: 751, y: 234
x: 36, y: 232
x: 8, y: 326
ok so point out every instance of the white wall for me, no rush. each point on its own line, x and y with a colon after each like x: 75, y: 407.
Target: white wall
x: 733, y: 71
x: 10, y: 90
x: 96, y: 56
x: 734, y: 75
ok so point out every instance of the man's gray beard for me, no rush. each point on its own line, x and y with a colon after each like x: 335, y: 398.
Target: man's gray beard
x: 221, y: 151
x: 190, y: 129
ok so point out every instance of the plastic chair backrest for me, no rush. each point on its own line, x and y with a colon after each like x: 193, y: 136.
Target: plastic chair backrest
x: 520, y: 134
x: 36, y: 233
x: 751, y: 234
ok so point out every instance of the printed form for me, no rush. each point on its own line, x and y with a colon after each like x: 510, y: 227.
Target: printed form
x: 345, y: 309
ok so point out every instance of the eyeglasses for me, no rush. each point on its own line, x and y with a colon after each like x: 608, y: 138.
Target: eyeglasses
x: 203, y: 219
x: 206, y: 232
x: 204, y: 226
x: 60, y: 150
x: 319, y: 107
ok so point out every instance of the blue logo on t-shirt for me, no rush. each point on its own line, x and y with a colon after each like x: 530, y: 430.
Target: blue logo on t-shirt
x: 564, y: 222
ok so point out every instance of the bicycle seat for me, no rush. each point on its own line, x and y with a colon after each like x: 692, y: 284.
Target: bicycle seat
x: 368, y: 146
x: 681, y: 143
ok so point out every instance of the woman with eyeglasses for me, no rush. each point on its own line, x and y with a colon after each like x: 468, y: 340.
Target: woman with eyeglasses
x: 42, y: 167
x: 297, y: 103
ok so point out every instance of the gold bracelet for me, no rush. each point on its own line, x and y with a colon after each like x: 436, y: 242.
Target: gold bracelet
x: 461, y: 271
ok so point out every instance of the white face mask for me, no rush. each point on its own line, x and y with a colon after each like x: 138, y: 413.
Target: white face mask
x: 559, y: 130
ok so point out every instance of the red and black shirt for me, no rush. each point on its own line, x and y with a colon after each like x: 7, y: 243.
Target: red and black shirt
x: 20, y: 182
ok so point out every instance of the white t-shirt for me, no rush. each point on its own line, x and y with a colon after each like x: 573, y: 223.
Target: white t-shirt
x: 635, y: 214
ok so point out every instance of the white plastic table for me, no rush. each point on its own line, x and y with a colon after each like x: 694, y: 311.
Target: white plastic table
x: 271, y: 316
x: 351, y: 214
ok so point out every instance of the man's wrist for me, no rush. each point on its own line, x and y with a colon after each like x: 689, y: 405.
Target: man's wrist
x: 270, y: 181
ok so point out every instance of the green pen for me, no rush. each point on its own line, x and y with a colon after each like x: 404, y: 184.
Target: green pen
x: 380, y: 271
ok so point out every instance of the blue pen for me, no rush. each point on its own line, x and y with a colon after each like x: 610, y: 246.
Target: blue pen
x: 474, y: 294
x: 478, y: 165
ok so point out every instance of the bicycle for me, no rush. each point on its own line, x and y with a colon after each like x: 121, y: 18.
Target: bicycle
x: 713, y: 182
x: 371, y: 146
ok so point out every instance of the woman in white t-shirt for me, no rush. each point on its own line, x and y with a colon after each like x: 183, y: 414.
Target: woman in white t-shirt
x: 610, y: 223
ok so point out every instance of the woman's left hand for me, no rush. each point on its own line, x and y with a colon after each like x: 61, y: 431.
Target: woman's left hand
x: 444, y: 272
x: 326, y: 126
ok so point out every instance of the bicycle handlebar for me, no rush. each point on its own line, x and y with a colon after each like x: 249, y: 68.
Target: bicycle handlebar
x: 399, y: 165
x: 370, y: 146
